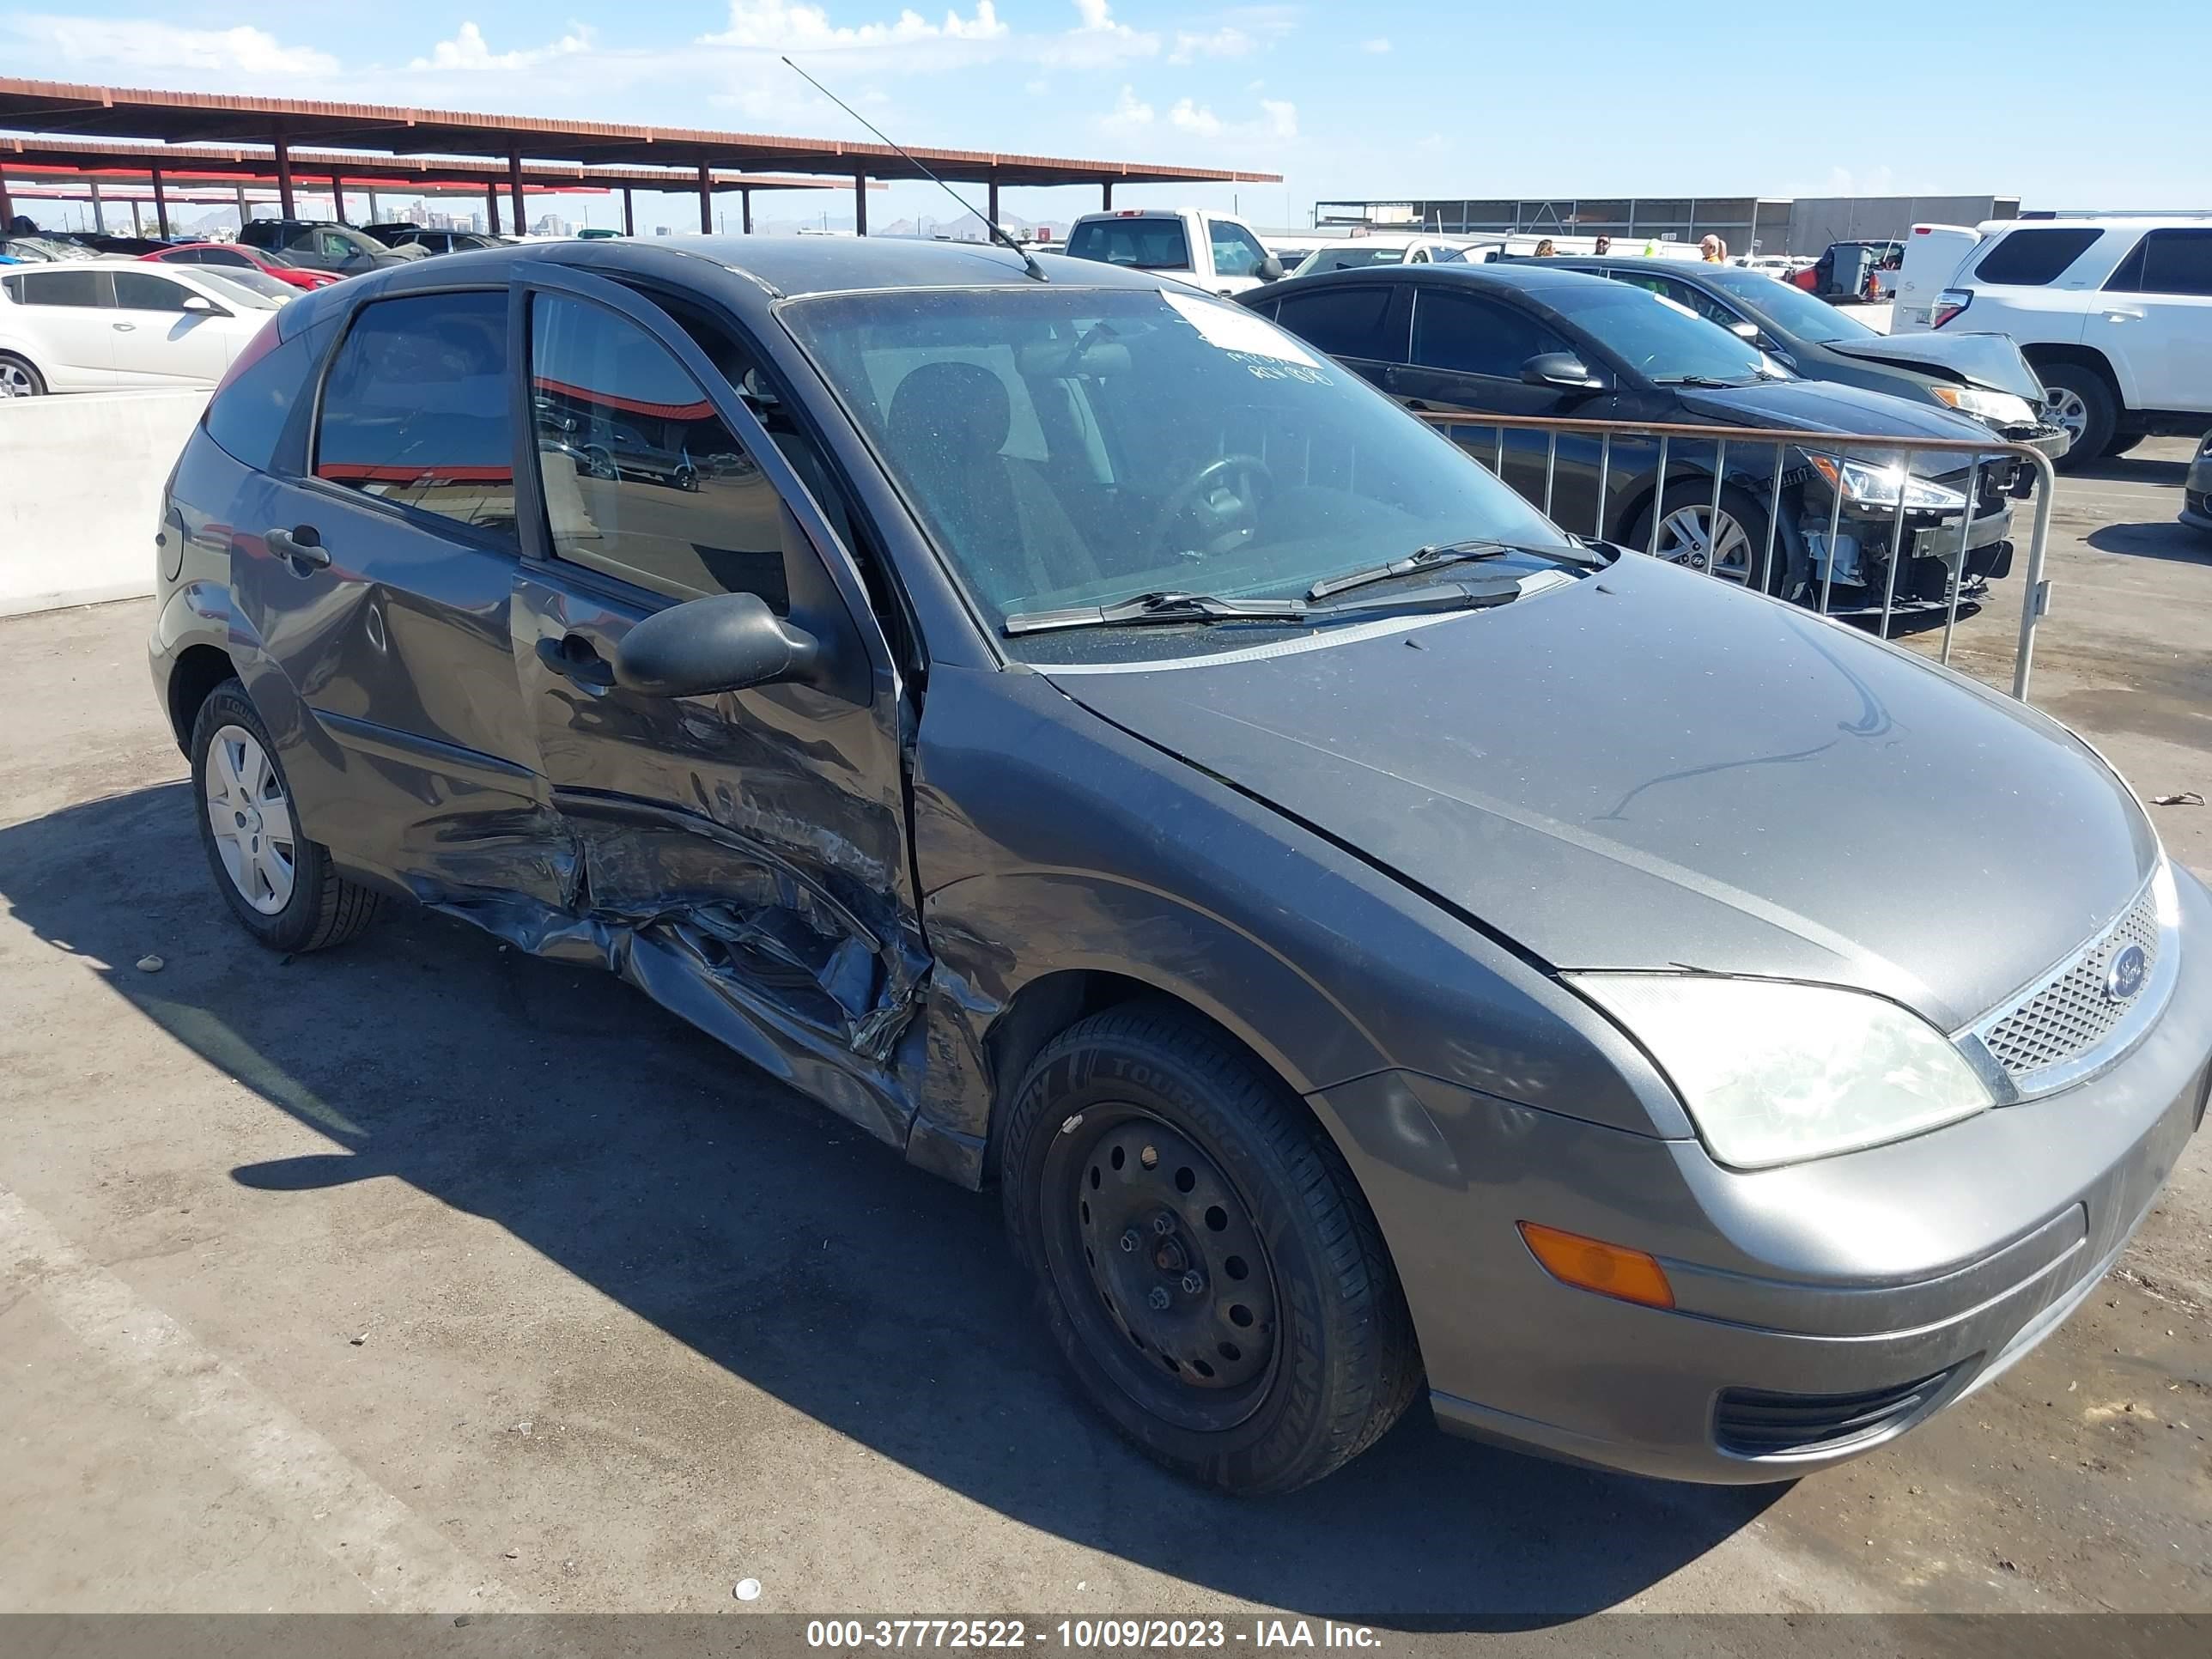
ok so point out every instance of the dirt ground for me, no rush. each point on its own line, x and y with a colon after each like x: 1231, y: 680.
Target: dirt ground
x: 423, y: 1275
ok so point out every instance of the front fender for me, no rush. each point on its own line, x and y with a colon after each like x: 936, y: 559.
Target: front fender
x: 1050, y: 841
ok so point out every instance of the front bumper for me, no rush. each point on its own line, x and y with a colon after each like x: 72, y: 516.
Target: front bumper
x: 1912, y: 1274
x: 2196, y: 492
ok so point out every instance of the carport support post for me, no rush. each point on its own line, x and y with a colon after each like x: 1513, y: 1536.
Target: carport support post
x: 514, y: 188
x: 1106, y: 196
x: 859, y: 205
x: 99, y: 215
x: 992, y: 197
x: 7, y: 205
x: 284, y: 178
x: 491, y: 208
x: 161, y: 204
x: 630, y: 213
x: 338, y: 199
x: 372, y: 219
x: 746, y: 210
x: 706, y: 201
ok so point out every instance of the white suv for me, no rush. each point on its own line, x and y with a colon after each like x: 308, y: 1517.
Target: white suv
x: 2114, y: 313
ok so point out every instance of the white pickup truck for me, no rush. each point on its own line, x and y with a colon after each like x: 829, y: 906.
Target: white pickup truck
x: 1217, y: 251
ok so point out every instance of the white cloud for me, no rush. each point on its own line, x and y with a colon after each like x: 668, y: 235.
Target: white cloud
x: 1222, y: 43
x: 1128, y: 111
x: 776, y: 26
x: 1278, y: 120
x: 1378, y: 45
x: 1097, y: 15
x: 468, y: 50
x: 168, y: 51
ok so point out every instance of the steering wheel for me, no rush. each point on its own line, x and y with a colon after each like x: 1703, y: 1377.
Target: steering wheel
x: 1201, y: 485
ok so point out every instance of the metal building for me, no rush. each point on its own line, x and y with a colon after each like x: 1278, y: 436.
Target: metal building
x: 1749, y: 224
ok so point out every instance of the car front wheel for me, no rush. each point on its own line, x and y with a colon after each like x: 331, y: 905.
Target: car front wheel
x: 2082, y: 403
x: 1204, y: 1261
x: 18, y: 378
x: 280, y: 885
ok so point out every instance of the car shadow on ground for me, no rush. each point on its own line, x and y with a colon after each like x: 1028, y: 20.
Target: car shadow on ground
x: 786, y: 1247
x: 2129, y: 469
x: 2168, y: 538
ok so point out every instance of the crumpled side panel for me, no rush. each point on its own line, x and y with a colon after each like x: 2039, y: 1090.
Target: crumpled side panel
x: 761, y: 957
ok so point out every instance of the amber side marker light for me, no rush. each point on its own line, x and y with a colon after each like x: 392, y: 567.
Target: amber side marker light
x: 1591, y: 1264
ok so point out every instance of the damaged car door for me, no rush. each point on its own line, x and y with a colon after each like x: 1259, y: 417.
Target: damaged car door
x: 743, y: 854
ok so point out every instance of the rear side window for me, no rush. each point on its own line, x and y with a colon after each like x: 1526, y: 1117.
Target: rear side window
x: 64, y: 288
x: 1474, y: 335
x: 2031, y: 258
x: 248, y: 416
x: 1142, y: 244
x: 2167, y: 261
x: 1345, y: 322
x: 415, y: 409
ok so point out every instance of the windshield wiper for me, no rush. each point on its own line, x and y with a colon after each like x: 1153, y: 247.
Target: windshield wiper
x: 1146, y: 608
x: 1712, y: 381
x: 1441, y: 553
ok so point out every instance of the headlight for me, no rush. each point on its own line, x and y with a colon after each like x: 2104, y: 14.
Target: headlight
x: 1865, y: 485
x: 1773, y: 1073
x: 1999, y: 406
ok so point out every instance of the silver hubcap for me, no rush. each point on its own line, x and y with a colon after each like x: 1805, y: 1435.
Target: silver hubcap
x: 1705, y: 540
x: 15, y: 382
x: 2069, y: 412
x: 251, y: 818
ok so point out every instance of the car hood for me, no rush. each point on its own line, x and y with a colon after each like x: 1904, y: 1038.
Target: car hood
x: 1827, y: 406
x: 1989, y: 360
x: 1649, y: 768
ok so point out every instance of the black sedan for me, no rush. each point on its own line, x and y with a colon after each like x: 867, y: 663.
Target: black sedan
x: 1534, y: 340
x: 1983, y: 376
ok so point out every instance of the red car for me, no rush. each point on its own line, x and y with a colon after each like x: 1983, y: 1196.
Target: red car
x: 230, y: 254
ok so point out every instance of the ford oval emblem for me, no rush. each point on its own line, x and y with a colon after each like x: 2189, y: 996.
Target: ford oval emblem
x: 2124, y: 977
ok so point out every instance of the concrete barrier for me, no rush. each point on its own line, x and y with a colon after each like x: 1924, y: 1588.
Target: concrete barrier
x: 81, y: 482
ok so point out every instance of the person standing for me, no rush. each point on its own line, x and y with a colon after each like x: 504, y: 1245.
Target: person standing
x: 1544, y: 250
x: 1605, y: 245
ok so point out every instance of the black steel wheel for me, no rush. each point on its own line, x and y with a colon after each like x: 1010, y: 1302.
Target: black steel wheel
x: 1184, y: 1310
x: 1204, y: 1261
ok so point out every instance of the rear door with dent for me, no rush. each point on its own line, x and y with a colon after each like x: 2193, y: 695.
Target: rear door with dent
x: 372, y: 571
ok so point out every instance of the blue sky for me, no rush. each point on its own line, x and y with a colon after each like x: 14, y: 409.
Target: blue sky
x: 1379, y: 98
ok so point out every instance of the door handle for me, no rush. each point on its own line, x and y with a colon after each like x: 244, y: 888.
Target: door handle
x: 122, y: 328
x: 302, y: 545
x: 2123, y: 316
x: 575, y: 658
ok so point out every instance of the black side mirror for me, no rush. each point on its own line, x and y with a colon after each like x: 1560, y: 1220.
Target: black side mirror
x: 1269, y: 270
x: 724, y: 642
x: 1562, y: 370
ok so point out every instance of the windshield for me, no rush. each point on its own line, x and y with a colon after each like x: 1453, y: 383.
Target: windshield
x: 1069, y: 447
x: 1141, y: 244
x: 1658, y: 338
x: 249, y: 289
x: 1794, y: 311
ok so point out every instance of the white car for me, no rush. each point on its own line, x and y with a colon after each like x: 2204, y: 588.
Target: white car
x: 94, y: 325
x: 2114, y: 313
x: 1396, y: 248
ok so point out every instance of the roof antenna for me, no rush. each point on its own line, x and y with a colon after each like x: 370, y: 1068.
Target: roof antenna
x: 997, y: 234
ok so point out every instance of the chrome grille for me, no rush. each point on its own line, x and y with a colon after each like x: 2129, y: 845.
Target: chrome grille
x: 2069, y: 1014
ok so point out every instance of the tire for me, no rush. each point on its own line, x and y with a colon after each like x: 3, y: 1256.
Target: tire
x: 1689, y: 504
x: 281, y: 887
x: 18, y: 378
x: 2081, y: 401
x: 1285, y: 1349
x: 2122, y: 442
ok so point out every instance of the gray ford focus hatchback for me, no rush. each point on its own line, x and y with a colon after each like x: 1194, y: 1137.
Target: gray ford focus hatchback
x: 1377, y: 945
